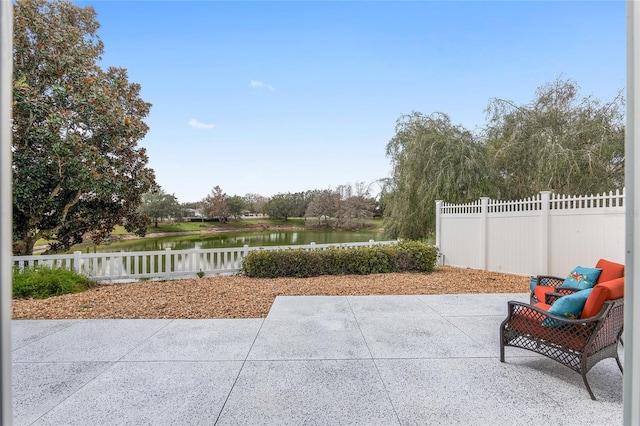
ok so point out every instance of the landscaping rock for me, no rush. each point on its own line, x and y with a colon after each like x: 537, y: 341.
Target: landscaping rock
x: 242, y: 297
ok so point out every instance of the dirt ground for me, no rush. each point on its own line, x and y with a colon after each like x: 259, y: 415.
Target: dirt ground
x: 242, y: 297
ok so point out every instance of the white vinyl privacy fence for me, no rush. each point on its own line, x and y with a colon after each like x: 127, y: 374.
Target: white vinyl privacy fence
x: 545, y: 234
x: 165, y: 264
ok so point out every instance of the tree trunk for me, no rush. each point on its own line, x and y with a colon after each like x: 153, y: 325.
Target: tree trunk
x: 23, y: 247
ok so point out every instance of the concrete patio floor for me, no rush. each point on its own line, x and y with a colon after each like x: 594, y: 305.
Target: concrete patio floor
x: 343, y: 360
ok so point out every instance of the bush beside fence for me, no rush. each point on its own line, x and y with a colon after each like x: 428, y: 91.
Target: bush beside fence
x: 41, y: 282
x: 403, y: 257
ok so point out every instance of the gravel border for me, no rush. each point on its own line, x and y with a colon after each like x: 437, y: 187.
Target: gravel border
x: 242, y: 297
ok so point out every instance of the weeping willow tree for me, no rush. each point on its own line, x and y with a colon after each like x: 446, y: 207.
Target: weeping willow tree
x: 431, y: 159
x: 560, y: 142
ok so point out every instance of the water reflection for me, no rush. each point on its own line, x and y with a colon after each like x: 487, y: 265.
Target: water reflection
x: 238, y: 239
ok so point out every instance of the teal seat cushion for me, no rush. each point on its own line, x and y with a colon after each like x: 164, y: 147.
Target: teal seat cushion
x: 570, y: 307
x: 582, y: 278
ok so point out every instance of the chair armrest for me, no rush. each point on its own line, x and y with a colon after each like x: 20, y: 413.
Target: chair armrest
x: 551, y: 297
x: 558, y: 293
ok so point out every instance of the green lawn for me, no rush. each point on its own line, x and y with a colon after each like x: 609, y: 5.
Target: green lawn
x: 232, y: 224
x: 179, y: 227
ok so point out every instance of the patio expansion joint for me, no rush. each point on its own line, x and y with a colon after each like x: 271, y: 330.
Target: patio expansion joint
x: 145, y: 340
x: 292, y: 360
x: 235, y: 380
x: 71, y: 324
x: 111, y: 364
x: 79, y: 388
x: 375, y: 364
x: 447, y: 319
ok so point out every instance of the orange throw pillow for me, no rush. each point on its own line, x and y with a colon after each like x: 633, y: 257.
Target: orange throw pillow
x: 540, y: 290
x: 613, y: 289
x: 610, y: 270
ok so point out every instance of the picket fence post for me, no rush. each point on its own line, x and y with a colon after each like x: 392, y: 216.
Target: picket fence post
x: 76, y: 261
x: 167, y: 264
x: 439, y: 224
x: 484, y: 213
x: 245, y: 252
x: 545, y: 199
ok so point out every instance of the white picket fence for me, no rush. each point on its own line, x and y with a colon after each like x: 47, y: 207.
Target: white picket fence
x: 545, y: 234
x: 164, y: 264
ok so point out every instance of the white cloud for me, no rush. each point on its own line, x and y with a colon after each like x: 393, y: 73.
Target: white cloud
x: 198, y: 125
x: 257, y: 84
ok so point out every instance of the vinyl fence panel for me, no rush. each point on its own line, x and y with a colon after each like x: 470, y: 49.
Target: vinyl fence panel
x: 545, y: 234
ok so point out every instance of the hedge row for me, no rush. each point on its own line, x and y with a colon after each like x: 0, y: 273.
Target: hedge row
x: 402, y: 257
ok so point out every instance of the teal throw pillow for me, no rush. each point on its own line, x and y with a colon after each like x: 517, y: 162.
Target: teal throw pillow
x: 582, y: 278
x: 570, y: 307
x: 533, y: 282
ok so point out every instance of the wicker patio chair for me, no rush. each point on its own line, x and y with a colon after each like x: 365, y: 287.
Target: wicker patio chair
x: 576, y: 343
x: 547, y: 283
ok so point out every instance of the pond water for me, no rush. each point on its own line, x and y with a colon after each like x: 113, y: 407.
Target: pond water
x: 236, y: 239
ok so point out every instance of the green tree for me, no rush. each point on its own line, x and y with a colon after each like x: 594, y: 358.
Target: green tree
x: 431, y: 159
x: 281, y: 206
x: 77, y: 168
x: 561, y: 142
x: 160, y: 205
x: 236, y: 206
x: 300, y: 201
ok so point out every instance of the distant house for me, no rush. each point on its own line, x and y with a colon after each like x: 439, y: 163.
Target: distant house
x: 188, y: 213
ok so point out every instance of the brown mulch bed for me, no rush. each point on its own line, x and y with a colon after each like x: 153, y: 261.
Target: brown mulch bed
x: 242, y: 297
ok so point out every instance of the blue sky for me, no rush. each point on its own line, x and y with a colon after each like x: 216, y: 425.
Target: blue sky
x: 267, y: 97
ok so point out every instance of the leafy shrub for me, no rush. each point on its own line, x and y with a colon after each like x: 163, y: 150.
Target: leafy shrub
x: 416, y: 256
x: 402, y: 257
x: 41, y: 282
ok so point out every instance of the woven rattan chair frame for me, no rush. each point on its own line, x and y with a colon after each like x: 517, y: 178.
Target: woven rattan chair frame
x: 578, y: 344
x: 550, y: 281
